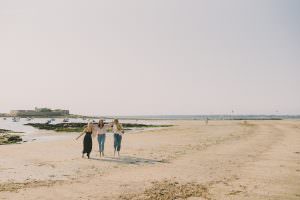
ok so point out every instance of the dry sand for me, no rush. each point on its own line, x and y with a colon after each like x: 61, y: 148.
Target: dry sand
x: 222, y: 160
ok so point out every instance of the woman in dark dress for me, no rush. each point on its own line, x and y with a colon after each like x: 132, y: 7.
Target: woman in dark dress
x: 87, y: 141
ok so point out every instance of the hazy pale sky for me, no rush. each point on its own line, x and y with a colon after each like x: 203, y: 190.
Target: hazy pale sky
x: 138, y: 57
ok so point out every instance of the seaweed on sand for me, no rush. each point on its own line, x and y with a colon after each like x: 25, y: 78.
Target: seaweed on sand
x: 78, y: 127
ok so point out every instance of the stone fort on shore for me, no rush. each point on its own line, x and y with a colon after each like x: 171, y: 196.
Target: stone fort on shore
x: 39, y: 112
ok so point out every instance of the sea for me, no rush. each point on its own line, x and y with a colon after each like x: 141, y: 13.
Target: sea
x: 210, y: 117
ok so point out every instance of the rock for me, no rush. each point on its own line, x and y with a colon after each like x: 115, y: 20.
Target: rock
x: 9, y: 139
x: 4, y: 131
x: 14, y: 138
x: 78, y: 127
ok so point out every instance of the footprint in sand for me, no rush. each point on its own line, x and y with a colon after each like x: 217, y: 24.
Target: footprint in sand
x: 46, y: 164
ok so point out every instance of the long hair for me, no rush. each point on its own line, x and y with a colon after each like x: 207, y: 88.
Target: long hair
x: 89, y: 127
x: 101, y: 123
x: 118, y: 125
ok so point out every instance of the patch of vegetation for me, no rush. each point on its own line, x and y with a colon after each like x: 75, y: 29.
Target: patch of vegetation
x: 167, y: 189
x: 15, y: 187
x: 78, y: 127
x: 6, y: 138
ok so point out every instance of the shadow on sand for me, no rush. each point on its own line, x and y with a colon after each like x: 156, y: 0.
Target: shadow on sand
x: 129, y: 160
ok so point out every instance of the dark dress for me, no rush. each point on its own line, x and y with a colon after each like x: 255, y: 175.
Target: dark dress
x: 87, y: 143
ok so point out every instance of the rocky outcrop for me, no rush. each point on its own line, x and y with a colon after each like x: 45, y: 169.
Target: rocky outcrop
x: 78, y: 127
x: 6, y: 138
x: 4, y: 131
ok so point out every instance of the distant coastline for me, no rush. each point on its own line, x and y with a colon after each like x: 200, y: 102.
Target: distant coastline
x: 58, y: 113
x: 204, y: 117
x: 41, y: 113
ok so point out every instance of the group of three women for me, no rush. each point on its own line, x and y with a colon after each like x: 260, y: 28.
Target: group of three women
x: 100, y: 131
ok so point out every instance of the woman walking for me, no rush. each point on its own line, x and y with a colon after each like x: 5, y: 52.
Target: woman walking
x: 87, y: 141
x: 118, y: 132
x: 101, y: 130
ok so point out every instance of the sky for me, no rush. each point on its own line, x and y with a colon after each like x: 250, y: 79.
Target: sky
x: 151, y: 57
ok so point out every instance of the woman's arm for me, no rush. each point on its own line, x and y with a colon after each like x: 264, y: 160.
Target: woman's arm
x: 80, y: 134
x: 122, y: 129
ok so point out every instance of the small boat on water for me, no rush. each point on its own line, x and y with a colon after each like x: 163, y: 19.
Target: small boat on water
x: 4, y: 118
x: 48, y: 121
x: 28, y: 118
x: 66, y: 120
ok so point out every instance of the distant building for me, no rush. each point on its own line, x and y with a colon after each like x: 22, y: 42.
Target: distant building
x: 39, y: 112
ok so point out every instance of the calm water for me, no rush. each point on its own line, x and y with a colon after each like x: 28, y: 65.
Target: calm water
x: 213, y: 117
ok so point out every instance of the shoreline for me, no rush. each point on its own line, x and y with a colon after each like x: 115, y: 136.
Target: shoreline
x: 170, y: 117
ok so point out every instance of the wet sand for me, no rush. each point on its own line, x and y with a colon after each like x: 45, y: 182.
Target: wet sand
x: 221, y: 160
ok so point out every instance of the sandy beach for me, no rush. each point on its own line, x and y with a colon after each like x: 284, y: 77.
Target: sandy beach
x: 191, y: 160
